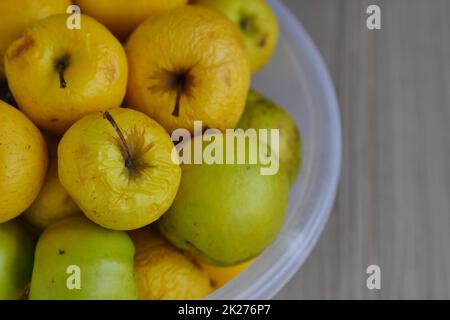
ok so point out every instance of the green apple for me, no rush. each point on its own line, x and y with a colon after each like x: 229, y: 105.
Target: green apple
x: 76, y: 259
x: 261, y: 113
x: 225, y: 214
x: 257, y: 23
x: 16, y: 259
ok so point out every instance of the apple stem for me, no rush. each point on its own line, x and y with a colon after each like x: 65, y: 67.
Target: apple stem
x: 62, y: 82
x: 245, y: 24
x: 176, y: 110
x: 107, y: 116
x: 180, y: 85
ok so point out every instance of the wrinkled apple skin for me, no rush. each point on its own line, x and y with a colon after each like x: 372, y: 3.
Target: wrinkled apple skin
x: 165, y: 273
x: 207, y: 71
x: 16, y: 259
x: 92, y: 169
x: 105, y: 258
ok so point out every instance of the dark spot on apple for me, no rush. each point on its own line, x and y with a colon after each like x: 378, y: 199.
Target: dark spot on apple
x: 263, y: 41
x: 27, y: 43
x: 54, y: 120
x: 53, y: 280
x: 61, y: 252
x: 67, y: 199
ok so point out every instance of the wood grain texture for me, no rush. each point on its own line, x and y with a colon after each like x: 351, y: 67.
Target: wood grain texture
x: 393, y: 205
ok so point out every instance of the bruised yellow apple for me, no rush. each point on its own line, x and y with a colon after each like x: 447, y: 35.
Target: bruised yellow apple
x: 58, y: 75
x: 18, y: 15
x: 122, y: 17
x: 188, y: 64
x: 117, y: 167
x: 53, y: 202
x: 23, y: 162
x: 163, y: 272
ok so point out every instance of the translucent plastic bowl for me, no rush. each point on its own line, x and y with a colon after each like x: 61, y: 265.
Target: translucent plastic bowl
x: 297, y: 79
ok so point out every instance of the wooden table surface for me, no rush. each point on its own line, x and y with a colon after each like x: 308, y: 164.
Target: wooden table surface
x: 393, y: 205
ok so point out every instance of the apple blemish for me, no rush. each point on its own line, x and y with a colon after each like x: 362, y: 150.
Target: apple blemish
x: 27, y: 43
x: 263, y: 41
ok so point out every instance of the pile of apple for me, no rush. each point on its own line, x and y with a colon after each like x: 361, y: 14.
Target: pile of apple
x: 92, y: 203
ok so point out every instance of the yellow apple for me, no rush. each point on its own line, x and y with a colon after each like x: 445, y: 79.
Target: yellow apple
x: 257, y: 22
x: 188, y: 64
x: 18, y: 15
x: 53, y: 202
x: 163, y: 272
x: 117, y: 167
x: 57, y: 75
x: 122, y: 17
x: 220, y: 276
x: 23, y: 162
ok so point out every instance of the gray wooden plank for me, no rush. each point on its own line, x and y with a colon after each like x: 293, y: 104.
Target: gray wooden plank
x: 393, y: 205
